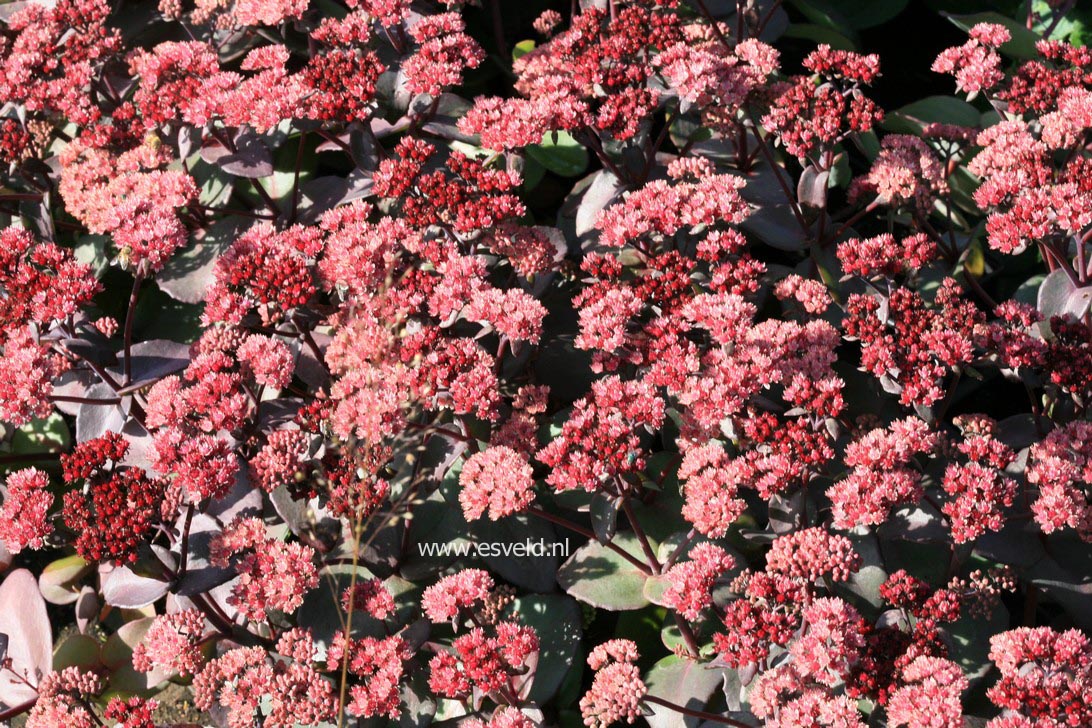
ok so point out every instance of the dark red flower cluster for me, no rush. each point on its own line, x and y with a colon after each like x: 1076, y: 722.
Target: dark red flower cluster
x: 119, y: 506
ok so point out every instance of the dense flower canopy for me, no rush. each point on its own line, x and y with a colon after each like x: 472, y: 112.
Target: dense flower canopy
x: 364, y: 363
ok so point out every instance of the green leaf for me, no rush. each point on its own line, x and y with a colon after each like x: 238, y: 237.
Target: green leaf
x: 44, y: 435
x: 974, y: 260
x: 1028, y: 292
x: 531, y: 568
x: 820, y: 34
x: 522, y: 48
x: 865, y: 583
x: 604, y: 517
x: 913, y: 118
x: 1067, y: 577
x: 28, y: 644
x: 1054, y: 293
x: 971, y: 637
x: 556, y: 620
x: 77, y: 650
x: 772, y: 220
x: 321, y: 610
x: 532, y: 173
x: 683, y: 682
x: 599, y: 576
x: 119, y: 646
x: 159, y: 316
x: 59, y: 581
x: 1072, y: 26
x: 1023, y: 40
x: 188, y: 274
x: 91, y: 250
x: 560, y: 153
x: 853, y: 14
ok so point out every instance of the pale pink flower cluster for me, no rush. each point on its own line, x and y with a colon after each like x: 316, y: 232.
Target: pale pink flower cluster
x: 718, y: 83
x: 27, y: 371
x: 360, y: 255
x: 267, y: 12
x: 63, y: 700
x: 281, y: 461
x: 269, y: 361
x: 370, y: 596
x: 832, y: 642
x: 192, y: 415
x: 387, y: 12
x: 24, y: 515
x: 42, y: 281
x: 352, y: 236
x: 498, y: 480
x: 808, y: 292
x: 1041, y: 671
x: 273, y: 575
x: 379, y: 663
x: 1052, y: 212
x: 882, y: 475
x: 443, y: 54
x: 130, y: 198
x: 518, y: 432
x: 290, y: 692
x: 690, y: 583
x: 784, y: 698
x: 1012, y: 160
x: 663, y: 209
x: 1060, y: 466
x: 907, y: 172
x: 530, y: 250
x: 884, y: 255
x: 504, y: 717
x: 813, y: 554
x: 980, y: 489
x: 480, y: 662
x: 929, y: 696
x: 506, y: 124
x: 976, y: 64
x: 604, y: 322
x: 513, y: 313
x: 51, y: 54
x: 617, y: 688
x: 546, y: 22
x: 710, y: 483
x: 443, y: 600
x: 372, y: 388
x: 172, y: 644
x: 749, y: 358
x: 1063, y: 128
x: 600, y: 440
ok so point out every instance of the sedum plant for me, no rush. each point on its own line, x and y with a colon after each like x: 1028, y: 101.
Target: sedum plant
x: 361, y: 367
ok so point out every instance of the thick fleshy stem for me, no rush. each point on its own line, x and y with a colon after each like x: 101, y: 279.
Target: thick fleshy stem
x: 566, y: 523
x: 130, y: 315
x: 646, y: 547
x: 722, y: 719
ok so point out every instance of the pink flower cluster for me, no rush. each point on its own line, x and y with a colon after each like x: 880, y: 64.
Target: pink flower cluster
x: 273, y: 575
x: 617, y: 689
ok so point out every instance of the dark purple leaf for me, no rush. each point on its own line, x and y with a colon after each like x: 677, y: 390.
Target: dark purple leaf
x: 251, y: 158
x: 188, y: 274
x: 24, y: 621
x: 682, y: 682
x: 155, y: 359
x: 94, y: 420
x: 811, y: 190
x: 123, y: 587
